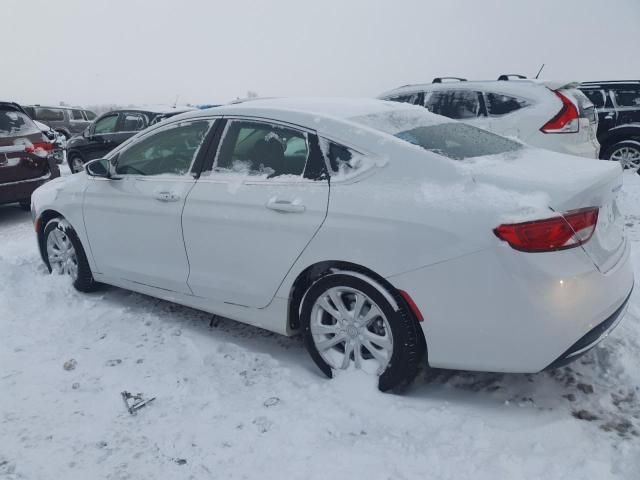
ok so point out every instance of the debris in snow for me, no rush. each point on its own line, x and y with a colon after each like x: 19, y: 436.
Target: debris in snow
x: 585, y: 388
x: 585, y: 415
x: 113, y: 363
x: 271, y: 402
x: 135, y: 402
x: 70, y: 365
x: 180, y: 461
x: 75, y: 386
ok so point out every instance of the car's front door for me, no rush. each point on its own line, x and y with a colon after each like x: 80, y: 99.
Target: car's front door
x: 246, y: 222
x: 133, y: 220
x: 101, y: 138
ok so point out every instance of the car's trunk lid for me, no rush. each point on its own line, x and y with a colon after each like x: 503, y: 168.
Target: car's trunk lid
x: 16, y: 164
x: 569, y: 183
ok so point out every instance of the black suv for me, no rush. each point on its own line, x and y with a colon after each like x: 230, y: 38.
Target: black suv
x: 111, y: 129
x: 618, y: 106
x: 68, y: 121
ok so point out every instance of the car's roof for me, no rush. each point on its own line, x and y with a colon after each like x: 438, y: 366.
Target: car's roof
x: 331, y: 107
x: 617, y: 83
x: 506, y: 86
x: 160, y: 109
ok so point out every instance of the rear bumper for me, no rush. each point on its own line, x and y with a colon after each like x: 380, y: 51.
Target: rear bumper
x: 11, y: 192
x: 499, y: 310
x: 593, y: 337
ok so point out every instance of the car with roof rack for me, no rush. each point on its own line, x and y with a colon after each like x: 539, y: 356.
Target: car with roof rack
x: 112, y: 128
x: 68, y: 121
x: 551, y: 115
x: 618, y: 105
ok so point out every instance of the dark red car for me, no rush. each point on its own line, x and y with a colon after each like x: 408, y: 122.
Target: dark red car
x: 26, y: 156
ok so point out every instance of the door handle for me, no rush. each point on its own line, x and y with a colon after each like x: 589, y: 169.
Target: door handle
x: 167, y: 197
x: 286, y: 206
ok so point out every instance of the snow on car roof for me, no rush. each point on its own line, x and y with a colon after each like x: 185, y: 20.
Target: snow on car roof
x: 159, y: 108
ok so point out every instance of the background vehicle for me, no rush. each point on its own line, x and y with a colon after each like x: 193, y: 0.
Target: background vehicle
x: 68, y: 121
x: 550, y: 115
x: 26, y: 159
x: 113, y: 128
x: 618, y: 106
x: 227, y: 210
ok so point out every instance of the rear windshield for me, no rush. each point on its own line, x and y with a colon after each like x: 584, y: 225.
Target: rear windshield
x: 14, y: 123
x: 452, y: 139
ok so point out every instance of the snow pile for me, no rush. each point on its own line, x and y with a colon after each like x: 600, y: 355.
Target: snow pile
x: 234, y: 401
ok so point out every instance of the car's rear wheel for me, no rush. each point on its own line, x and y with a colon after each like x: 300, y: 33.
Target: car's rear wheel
x: 352, y: 321
x: 626, y: 152
x: 65, y: 255
x: 76, y: 163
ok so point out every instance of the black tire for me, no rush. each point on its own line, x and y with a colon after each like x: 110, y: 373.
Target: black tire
x: 84, y: 282
x: 632, y: 145
x: 71, y: 159
x: 408, y: 342
x: 25, y: 204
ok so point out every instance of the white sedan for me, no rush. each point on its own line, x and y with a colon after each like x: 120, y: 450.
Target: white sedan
x: 387, y: 236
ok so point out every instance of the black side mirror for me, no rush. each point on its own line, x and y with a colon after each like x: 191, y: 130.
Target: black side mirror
x: 99, y: 168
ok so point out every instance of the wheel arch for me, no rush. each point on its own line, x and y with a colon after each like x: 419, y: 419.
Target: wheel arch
x: 313, y: 272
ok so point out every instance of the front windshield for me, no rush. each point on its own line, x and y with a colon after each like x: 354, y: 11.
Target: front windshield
x: 455, y: 140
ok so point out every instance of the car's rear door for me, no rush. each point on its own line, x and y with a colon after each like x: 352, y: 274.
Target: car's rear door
x: 246, y: 222
x: 627, y: 100
x: 133, y: 220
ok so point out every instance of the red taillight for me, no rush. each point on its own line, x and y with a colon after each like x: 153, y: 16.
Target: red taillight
x: 41, y: 149
x: 569, y: 230
x: 566, y: 121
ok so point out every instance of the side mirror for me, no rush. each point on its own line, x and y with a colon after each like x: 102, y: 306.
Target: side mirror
x: 99, y: 168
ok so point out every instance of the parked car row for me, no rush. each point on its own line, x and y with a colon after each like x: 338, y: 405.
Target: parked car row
x: 111, y: 129
x: 388, y: 236
x: 68, y: 121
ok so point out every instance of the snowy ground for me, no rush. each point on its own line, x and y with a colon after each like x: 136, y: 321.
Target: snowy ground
x: 234, y: 401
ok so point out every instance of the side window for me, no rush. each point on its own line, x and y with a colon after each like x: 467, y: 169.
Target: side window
x: 77, y: 115
x: 412, y: 98
x: 133, y: 122
x: 90, y: 115
x: 167, y: 151
x: 49, y: 114
x: 458, y: 104
x: 342, y: 160
x: 498, y: 104
x: 596, y: 97
x: 627, y: 97
x: 257, y: 148
x: 106, y: 125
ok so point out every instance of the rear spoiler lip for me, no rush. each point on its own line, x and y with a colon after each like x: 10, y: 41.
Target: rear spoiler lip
x: 559, y: 85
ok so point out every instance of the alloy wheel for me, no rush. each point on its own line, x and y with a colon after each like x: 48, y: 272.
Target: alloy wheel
x: 62, y: 254
x: 348, y: 327
x: 628, y: 157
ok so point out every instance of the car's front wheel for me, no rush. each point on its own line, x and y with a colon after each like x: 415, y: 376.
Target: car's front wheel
x: 626, y: 152
x: 65, y: 255
x: 350, y: 320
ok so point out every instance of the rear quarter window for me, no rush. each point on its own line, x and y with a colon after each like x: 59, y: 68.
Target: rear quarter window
x: 627, y: 97
x: 49, y: 114
x: 499, y: 104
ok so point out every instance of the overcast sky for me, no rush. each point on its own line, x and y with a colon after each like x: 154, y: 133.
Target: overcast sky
x: 132, y: 51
